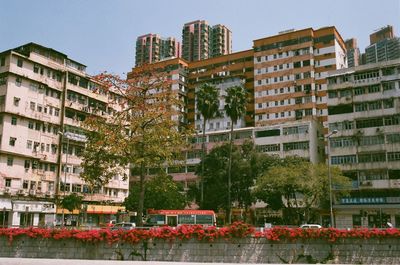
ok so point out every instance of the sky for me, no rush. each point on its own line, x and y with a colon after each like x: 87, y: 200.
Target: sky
x: 102, y: 33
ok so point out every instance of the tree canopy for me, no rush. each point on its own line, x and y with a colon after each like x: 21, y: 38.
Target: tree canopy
x: 142, y: 131
x: 161, y: 193
x: 297, y: 186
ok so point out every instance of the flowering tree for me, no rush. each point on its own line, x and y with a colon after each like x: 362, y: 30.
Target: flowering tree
x: 142, y: 131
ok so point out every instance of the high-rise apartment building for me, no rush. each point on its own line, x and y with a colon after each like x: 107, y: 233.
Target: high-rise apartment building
x: 221, y: 41
x: 200, y: 41
x: 152, y: 48
x: 353, y: 52
x: 363, y: 108
x: 44, y: 97
x: 196, y: 40
x: 384, y: 46
x: 290, y: 72
x: 381, y: 34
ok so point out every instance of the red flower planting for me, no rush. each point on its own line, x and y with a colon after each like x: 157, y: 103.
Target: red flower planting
x: 197, y: 232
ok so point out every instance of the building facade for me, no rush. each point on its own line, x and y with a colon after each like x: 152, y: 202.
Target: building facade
x: 201, y: 41
x: 221, y: 41
x: 44, y: 97
x: 364, y: 110
x: 151, y: 48
x: 353, y: 52
x: 383, y: 46
x: 290, y: 72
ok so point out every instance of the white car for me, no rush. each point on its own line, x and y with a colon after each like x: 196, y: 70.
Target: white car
x: 124, y: 226
x: 310, y: 226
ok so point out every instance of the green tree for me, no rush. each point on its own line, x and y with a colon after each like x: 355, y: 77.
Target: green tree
x: 247, y: 165
x: 298, y: 187
x: 207, y: 102
x: 142, y: 132
x: 161, y: 193
x: 235, y: 108
x: 71, y: 202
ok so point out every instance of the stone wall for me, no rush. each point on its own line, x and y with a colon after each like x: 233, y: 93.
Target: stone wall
x: 249, y: 250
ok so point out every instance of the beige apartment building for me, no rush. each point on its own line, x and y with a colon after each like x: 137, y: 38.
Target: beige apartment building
x: 290, y: 71
x: 44, y: 97
x: 364, y: 117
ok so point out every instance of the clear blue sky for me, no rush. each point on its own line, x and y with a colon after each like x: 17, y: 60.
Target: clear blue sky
x: 101, y: 33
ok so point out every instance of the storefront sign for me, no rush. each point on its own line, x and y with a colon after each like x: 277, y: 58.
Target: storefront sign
x: 373, y: 200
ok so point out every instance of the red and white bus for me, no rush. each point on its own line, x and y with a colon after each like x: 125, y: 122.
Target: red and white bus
x: 179, y: 217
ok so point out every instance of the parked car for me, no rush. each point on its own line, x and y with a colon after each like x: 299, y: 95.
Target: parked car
x: 124, y: 226
x: 310, y: 226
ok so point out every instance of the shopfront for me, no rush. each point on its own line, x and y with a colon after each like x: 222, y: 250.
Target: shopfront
x: 33, y: 213
x: 101, y: 215
x: 372, y: 212
x: 5, y: 210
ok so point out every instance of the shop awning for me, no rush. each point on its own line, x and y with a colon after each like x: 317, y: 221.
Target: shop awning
x: 66, y: 211
x: 104, y: 209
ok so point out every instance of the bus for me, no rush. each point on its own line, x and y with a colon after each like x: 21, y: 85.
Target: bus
x: 180, y: 217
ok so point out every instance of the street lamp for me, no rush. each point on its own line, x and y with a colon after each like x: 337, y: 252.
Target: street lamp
x: 330, y: 177
x: 63, y: 134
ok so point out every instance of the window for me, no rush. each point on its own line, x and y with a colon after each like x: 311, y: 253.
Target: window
x: 29, y: 144
x: 282, y: 114
x: 268, y: 148
x: 347, y: 159
x: 393, y: 156
x: 308, y: 112
x: 12, y: 141
x: 30, y: 124
x: 27, y: 164
x: 18, y: 81
x: 13, y: 120
x: 296, y: 146
x: 32, y: 105
x: 393, y: 138
x: 10, y: 161
x: 375, y: 105
x: 8, y: 182
x: 25, y: 184
x: 20, y: 62
x: 2, y: 61
x: 388, y: 86
x: 361, y: 107
x: 359, y: 90
x: 388, y: 103
x: 374, y: 89
x: 16, y: 101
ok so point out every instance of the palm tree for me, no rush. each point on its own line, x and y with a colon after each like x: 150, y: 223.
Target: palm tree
x: 208, y: 106
x: 235, y: 108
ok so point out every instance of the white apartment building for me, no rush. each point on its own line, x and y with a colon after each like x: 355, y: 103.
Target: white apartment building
x: 44, y: 97
x: 364, y: 110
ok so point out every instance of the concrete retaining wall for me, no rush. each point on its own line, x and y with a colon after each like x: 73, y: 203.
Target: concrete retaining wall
x: 249, y: 250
